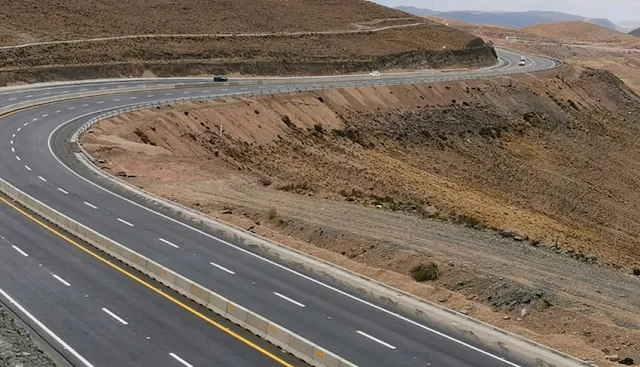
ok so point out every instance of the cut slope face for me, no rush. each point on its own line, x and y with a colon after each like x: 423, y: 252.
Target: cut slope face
x: 193, y: 37
x: 377, y: 178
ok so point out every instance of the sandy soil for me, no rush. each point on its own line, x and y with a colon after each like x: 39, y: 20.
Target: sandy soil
x: 381, y: 179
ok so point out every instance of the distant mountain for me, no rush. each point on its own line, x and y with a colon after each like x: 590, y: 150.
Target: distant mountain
x: 635, y: 33
x: 417, y: 11
x: 509, y: 19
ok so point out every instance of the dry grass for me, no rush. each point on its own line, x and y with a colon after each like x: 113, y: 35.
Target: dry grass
x: 579, y: 32
x: 221, y: 36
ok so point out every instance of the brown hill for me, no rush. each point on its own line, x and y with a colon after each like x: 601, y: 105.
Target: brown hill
x: 578, y: 32
x: 215, y: 36
x: 635, y: 32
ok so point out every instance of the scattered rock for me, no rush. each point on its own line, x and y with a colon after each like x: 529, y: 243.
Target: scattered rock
x: 524, y: 312
x: 518, y: 238
x: 464, y: 311
x: 431, y: 211
x: 627, y: 361
x: 228, y: 211
x: 507, y: 317
x: 612, y: 358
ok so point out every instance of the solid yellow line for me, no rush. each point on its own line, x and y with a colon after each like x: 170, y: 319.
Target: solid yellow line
x: 146, y: 284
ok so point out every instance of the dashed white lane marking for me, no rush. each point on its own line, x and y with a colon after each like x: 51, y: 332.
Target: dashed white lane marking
x: 12, y: 98
x: 205, y: 91
x: 186, y: 92
x: 71, y: 108
x: 45, y: 115
x: 177, y: 358
x: 83, y: 90
x: 25, y: 124
x: 168, y: 243
x: 61, y: 280
x: 42, y: 179
x: 289, y: 299
x: 46, y: 94
x: 133, y: 97
x: 100, y: 102
x: 168, y: 94
x: 18, y: 130
x: 29, y: 96
x: 151, y: 95
x: 244, y: 88
x: 222, y: 268
x: 120, y: 319
x: 13, y: 136
x: 63, y: 191
x: 224, y: 90
x: 117, y: 100
x: 125, y: 222
x: 64, y: 345
x: 20, y: 251
x: 85, y: 105
x: 65, y: 91
x: 140, y: 85
x: 56, y: 111
x: 18, y: 158
x: 90, y: 205
x: 27, y: 167
x: 375, y: 339
x: 101, y: 88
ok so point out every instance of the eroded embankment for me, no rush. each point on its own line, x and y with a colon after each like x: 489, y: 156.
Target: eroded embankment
x: 375, y: 178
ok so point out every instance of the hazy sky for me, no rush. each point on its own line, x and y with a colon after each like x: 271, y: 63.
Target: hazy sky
x: 615, y: 10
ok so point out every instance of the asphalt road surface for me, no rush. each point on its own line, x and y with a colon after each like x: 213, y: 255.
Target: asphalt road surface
x: 36, y: 159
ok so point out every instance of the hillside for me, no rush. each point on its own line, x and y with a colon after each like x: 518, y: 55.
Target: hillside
x: 379, y: 179
x: 635, y: 33
x: 222, y: 36
x: 509, y: 19
x: 578, y: 32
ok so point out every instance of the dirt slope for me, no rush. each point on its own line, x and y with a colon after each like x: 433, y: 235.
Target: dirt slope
x: 223, y: 36
x: 579, y: 32
x: 376, y: 179
x: 635, y: 32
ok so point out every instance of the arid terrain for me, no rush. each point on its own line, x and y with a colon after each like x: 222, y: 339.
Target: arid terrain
x: 522, y: 190
x: 94, y: 39
x: 16, y: 346
x: 577, y: 43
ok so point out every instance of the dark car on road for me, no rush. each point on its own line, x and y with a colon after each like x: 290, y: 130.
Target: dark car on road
x: 220, y: 78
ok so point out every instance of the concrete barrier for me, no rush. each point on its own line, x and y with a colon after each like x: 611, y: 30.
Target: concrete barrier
x: 258, y: 325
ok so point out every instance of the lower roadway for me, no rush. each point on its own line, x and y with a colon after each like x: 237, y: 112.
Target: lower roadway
x: 35, y: 152
x: 106, y: 316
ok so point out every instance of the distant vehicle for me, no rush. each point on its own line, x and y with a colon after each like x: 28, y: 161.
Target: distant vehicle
x: 220, y: 78
x: 374, y: 73
x: 522, y: 62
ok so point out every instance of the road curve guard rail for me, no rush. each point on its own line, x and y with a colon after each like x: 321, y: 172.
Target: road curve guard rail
x: 454, y: 324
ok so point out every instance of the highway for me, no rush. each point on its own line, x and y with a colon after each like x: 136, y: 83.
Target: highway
x: 36, y: 159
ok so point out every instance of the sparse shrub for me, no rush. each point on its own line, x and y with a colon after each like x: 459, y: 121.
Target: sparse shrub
x: 425, y: 272
x: 636, y: 271
x: 318, y: 128
x: 470, y: 221
x: 272, y: 214
x: 287, y: 121
x: 265, y: 181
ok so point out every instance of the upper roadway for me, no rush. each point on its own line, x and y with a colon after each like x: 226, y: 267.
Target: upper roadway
x: 36, y: 159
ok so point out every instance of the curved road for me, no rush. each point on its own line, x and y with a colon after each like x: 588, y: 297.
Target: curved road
x: 36, y: 159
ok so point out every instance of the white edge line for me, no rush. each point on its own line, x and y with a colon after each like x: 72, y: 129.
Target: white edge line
x: 90, y: 205
x: 289, y: 299
x: 20, y: 251
x: 61, y: 280
x: 65, y: 346
x: 120, y: 319
x: 375, y: 339
x: 168, y: 243
x: 125, y: 222
x: 247, y: 252
x: 177, y: 358
x: 222, y: 268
